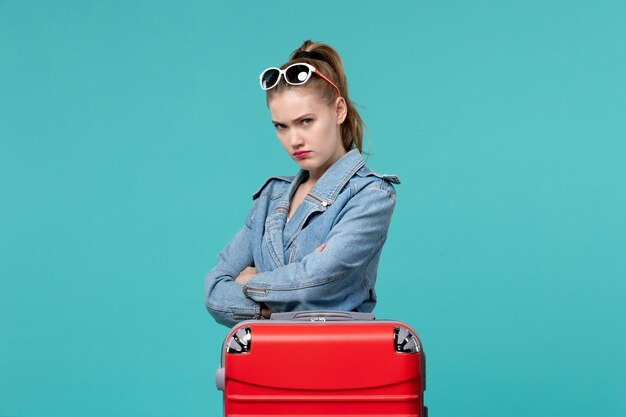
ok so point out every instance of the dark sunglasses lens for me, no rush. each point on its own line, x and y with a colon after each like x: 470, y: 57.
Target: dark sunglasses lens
x: 297, y: 74
x: 269, y: 78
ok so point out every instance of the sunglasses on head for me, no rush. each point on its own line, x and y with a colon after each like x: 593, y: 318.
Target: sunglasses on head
x: 294, y: 74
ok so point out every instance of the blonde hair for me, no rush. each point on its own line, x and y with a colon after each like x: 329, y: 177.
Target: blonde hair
x: 331, y: 65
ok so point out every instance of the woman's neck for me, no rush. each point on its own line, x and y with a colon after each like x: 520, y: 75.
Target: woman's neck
x: 316, y: 174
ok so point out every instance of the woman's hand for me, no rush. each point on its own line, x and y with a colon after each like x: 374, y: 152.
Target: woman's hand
x: 245, y: 275
x: 266, y: 312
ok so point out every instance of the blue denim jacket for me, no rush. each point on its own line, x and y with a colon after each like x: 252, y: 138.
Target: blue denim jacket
x: 349, y: 209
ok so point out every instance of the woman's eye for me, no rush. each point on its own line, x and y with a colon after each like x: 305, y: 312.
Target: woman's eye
x: 279, y: 126
x: 307, y: 122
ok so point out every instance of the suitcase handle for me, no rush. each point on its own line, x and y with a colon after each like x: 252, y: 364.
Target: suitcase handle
x: 322, y: 315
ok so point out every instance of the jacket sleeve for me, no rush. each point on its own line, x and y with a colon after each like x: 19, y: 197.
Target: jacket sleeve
x: 328, y: 276
x: 223, y: 297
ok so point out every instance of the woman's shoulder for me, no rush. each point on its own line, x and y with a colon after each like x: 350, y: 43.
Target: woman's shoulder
x: 274, y: 186
x: 365, y: 172
x: 366, y: 177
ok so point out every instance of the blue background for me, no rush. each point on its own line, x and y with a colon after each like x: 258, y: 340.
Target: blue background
x: 132, y: 135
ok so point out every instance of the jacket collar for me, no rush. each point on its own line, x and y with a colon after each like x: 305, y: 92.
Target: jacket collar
x: 330, y: 184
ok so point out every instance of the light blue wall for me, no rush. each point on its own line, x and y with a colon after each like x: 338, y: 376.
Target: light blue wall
x: 132, y: 135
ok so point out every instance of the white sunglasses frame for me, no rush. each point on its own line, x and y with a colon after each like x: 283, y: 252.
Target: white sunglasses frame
x: 283, y: 73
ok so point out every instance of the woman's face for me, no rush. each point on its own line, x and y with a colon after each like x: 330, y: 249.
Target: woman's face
x: 309, y: 128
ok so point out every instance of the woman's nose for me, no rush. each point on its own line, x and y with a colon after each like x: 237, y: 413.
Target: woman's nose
x: 295, y: 139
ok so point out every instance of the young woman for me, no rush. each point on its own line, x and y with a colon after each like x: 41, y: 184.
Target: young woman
x: 313, y: 241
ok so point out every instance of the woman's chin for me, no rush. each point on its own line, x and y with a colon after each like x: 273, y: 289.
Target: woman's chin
x: 305, y: 164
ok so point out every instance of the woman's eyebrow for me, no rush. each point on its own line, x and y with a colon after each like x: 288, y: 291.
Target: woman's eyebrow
x: 304, y: 116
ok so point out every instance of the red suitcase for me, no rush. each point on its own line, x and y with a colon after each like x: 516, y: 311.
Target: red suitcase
x: 322, y: 364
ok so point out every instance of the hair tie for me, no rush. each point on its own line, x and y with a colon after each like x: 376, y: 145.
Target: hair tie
x: 310, y: 55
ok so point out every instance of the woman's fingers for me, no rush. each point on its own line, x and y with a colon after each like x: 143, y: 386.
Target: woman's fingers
x: 266, y: 312
x: 245, y: 275
x: 320, y: 248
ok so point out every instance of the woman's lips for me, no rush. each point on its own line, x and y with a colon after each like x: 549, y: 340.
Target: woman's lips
x: 301, y: 154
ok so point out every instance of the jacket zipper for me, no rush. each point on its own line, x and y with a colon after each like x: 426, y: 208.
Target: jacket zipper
x: 319, y: 200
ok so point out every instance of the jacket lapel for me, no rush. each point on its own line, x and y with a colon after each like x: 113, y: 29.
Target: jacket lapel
x: 275, y: 224
x: 323, y: 194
